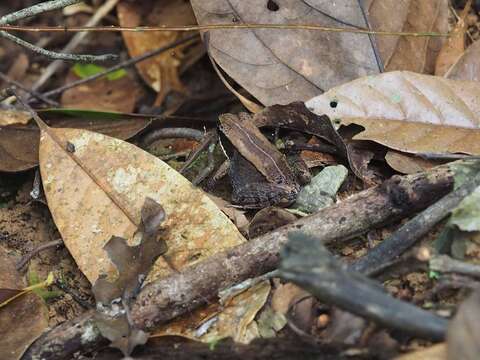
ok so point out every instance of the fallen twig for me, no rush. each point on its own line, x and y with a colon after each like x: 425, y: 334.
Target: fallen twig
x: 445, y: 264
x: 308, y: 264
x: 25, y: 259
x: 28, y: 91
x: 123, y: 64
x: 413, y: 230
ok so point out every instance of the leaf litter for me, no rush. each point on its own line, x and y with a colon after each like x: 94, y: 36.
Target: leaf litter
x: 238, y: 317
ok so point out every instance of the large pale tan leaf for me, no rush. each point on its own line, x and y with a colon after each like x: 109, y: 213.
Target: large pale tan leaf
x: 408, y: 112
x: 22, y: 320
x: 282, y: 66
x: 467, y: 66
x: 95, y: 187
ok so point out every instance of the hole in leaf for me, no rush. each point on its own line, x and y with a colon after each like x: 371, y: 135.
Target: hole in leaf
x: 333, y: 104
x: 272, y: 5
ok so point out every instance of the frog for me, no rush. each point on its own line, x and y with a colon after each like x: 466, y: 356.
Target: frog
x: 260, y: 174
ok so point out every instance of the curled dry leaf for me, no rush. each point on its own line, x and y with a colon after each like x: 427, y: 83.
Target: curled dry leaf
x: 454, y: 47
x: 268, y: 219
x: 408, y: 112
x: 406, y: 163
x: 19, y: 143
x: 280, y: 66
x: 103, y: 94
x: 417, y: 54
x: 467, y: 66
x: 160, y: 72
x: 22, y: 320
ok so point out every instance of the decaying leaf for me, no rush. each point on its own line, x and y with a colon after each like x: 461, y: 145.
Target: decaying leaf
x: 103, y: 94
x: 296, y: 116
x: 408, y: 112
x: 454, y: 47
x: 19, y: 143
x: 281, y: 66
x: 161, y: 72
x: 133, y: 263
x: 23, y: 319
x: 463, y: 330
x: 234, y: 320
x: 467, y: 66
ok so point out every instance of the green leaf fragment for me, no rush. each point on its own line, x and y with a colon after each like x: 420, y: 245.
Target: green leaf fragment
x: 85, y: 70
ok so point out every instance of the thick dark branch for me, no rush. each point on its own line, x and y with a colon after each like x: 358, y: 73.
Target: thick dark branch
x: 308, y: 264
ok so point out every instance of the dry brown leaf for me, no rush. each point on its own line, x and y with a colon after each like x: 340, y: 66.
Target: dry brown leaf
x: 454, y: 47
x: 282, y: 66
x: 160, y: 72
x: 468, y: 65
x: 406, y: 163
x: 22, y: 320
x: 416, y: 54
x: 118, y: 95
x: 19, y: 143
x: 408, y: 112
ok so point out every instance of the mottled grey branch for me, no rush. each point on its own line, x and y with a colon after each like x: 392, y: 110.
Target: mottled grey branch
x: 36, y: 10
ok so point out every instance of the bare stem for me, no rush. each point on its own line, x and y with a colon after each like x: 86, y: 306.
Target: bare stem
x: 220, y: 27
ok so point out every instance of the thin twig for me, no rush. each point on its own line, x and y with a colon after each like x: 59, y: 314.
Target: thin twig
x: 32, y: 93
x: 38, y: 9
x: 25, y: 259
x: 209, y: 168
x: 56, y: 55
x: 226, y: 26
x: 445, y: 264
x: 210, y: 137
x: 413, y: 230
x: 75, y: 41
x: 123, y: 64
